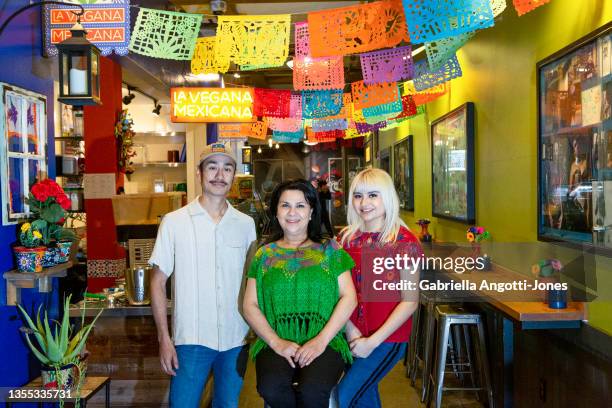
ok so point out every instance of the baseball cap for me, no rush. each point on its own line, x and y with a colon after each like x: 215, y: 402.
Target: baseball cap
x: 216, y: 149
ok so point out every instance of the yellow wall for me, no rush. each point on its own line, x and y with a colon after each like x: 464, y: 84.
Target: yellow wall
x: 499, y: 76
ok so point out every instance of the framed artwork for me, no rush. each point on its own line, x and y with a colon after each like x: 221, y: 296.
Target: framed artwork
x: 402, y: 173
x: 23, y: 142
x: 247, y: 155
x: 385, y: 159
x: 367, y: 152
x: 452, y: 158
x: 575, y: 142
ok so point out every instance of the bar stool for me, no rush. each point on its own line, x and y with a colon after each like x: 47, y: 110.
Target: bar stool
x: 446, y: 317
x: 421, y: 343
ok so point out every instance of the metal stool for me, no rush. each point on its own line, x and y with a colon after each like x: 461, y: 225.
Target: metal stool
x: 447, y: 316
x: 422, y: 338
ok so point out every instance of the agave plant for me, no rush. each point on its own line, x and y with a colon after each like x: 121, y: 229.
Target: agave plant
x: 60, y: 346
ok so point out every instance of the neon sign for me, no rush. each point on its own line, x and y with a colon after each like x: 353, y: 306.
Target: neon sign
x: 211, y: 105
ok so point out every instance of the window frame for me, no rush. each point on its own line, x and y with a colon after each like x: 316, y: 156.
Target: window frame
x: 8, y: 216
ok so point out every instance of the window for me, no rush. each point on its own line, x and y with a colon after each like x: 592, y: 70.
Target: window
x: 23, y: 136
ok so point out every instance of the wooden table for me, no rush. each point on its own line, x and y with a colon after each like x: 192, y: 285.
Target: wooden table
x: 91, y: 386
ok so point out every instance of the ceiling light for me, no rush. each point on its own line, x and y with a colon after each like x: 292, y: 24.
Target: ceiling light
x: 418, y: 51
x: 156, y: 108
x: 277, y: 146
x: 204, y: 77
x: 308, y: 143
x: 270, y: 143
x: 290, y: 64
x: 127, y: 99
x: 236, y: 75
x: 259, y: 150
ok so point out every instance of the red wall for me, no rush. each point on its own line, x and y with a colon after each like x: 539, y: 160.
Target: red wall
x: 101, y: 157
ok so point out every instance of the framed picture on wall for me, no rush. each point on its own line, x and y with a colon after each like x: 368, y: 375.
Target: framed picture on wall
x: 574, y: 90
x: 385, y: 159
x: 452, y: 158
x: 402, y: 173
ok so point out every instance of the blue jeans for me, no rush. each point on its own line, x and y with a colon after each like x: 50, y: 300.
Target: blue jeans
x: 195, y: 363
x: 359, y: 386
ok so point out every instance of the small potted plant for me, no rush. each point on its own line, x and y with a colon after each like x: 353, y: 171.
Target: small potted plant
x: 549, y: 271
x: 48, y: 204
x: 475, y: 235
x: 29, y: 252
x: 59, y: 348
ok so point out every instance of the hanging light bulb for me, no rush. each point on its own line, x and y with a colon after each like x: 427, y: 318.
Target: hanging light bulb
x: 270, y: 143
x: 277, y: 146
x: 259, y: 150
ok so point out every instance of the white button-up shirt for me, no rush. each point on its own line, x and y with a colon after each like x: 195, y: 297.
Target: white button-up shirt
x: 207, y: 260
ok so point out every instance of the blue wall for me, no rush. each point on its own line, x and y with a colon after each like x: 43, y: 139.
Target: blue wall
x: 22, y: 64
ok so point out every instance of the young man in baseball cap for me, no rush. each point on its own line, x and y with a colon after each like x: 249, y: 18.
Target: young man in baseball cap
x: 204, y: 245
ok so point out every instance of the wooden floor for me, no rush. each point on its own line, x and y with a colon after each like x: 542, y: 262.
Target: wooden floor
x: 395, y: 389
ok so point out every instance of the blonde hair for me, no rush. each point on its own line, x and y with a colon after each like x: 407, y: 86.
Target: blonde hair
x: 374, y: 180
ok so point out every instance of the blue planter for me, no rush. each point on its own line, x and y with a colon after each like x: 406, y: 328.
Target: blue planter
x: 50, y: 257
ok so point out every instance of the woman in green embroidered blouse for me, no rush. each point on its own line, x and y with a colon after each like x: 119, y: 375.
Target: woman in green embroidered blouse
x: 298, y: 298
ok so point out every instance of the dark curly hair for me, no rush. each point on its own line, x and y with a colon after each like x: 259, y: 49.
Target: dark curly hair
x: 310, y: 193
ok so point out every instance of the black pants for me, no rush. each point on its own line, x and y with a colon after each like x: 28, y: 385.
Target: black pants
x: 309, y: 387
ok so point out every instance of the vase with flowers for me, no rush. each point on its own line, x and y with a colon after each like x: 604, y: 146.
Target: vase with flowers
x: 424, y: 235
x: 475, y: 235
x: 548, y: 272
x: 29, y: 252
x: 48, y: 204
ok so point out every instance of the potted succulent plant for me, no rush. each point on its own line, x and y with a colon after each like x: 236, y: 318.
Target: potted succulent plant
x: 29, y: 252
x: 59, y: 348
x: 48, y: 204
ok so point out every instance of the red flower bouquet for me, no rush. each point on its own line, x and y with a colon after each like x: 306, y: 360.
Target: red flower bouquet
x: 48, y: 204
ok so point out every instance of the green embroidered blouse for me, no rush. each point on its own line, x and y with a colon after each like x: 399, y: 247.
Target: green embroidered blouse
x: 297, y: 291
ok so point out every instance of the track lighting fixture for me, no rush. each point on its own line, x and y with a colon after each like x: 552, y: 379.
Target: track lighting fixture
x: 127, y: 99
x: 156, y: 107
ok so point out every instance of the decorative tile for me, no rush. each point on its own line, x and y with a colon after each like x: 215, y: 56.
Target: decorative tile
x: 105, y: 268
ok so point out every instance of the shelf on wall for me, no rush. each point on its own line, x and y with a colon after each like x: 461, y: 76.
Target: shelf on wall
x: 158, y: 134
x: 78, y: 138
x: 15, y: 281
x: 160, y: 164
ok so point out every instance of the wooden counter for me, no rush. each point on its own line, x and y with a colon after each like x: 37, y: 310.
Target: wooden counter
x: 525, y: 306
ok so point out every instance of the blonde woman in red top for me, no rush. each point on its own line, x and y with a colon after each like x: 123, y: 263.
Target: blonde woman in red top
x: 379, y: 329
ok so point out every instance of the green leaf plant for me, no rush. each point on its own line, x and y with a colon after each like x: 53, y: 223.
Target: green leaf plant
x: 59, y: 346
